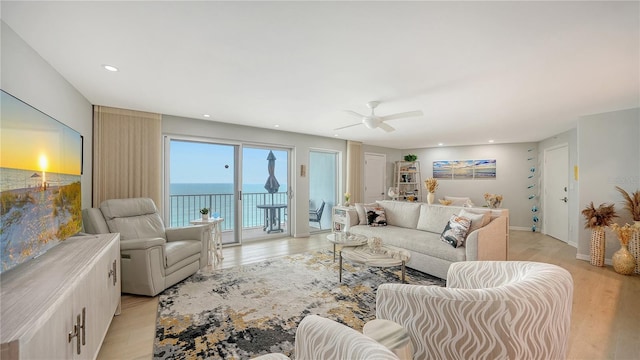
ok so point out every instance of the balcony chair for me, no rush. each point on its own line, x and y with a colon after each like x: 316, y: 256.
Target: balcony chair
x: 321, y: 338
x: 489, y: 310
x: 316, y: 215
x: 153, y: 257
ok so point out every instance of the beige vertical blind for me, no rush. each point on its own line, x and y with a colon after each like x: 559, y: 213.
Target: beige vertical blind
x: 354, y: 170
x: 127, y: 153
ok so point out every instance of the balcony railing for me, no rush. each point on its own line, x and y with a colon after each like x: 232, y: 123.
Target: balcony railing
x: 184, y: 208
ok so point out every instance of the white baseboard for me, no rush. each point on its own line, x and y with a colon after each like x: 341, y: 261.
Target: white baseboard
x: 584, y: 257
x: 519, y: 228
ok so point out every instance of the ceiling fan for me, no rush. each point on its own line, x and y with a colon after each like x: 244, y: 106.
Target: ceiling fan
x: 373, y: 121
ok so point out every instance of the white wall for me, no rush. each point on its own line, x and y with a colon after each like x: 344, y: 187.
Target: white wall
x: 301, y: 144
x: 512, y: 169
x: 608, y: 156
x: 25, y: 75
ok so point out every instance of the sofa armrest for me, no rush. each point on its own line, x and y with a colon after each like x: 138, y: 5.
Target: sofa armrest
x: 141, y: 244
x: 196, y: 232
x: 490, y: 242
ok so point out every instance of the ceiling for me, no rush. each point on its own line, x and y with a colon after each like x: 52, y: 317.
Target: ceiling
x: 506, y: 71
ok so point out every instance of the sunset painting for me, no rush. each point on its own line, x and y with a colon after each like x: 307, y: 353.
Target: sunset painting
x: 40, y: 168
x: 464, y: 169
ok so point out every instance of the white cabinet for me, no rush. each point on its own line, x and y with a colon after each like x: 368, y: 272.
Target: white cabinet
x: 60, y: 305
x: 408, y: 181
x: 339, y: 219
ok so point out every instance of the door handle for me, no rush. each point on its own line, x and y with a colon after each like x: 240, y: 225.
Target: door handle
x: 564, y: 199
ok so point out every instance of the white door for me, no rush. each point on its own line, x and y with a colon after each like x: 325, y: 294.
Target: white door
x: 556, y: 179
x: 374, y: 177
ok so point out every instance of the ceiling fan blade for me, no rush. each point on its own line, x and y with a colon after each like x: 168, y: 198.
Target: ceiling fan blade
x: 402, y: 115
x: 354, y: 114
x: 386, y: 127
x: 348, y: 126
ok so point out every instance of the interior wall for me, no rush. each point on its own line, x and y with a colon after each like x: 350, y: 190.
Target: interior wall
x: 609, y: 156
x: 25, y: 75
x: 300, y: 143
x: 512, y: 169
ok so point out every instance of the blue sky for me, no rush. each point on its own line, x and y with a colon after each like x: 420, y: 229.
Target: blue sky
x: 198, y: 162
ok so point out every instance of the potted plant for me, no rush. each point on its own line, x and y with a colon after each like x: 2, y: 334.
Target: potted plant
x: 205, y: 213
x: 431, y: 184
x: 410, y: 157
x: 632, y: 204
x: 597, y: 220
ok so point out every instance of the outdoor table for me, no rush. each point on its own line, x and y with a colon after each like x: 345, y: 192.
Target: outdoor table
x: 272, y: 216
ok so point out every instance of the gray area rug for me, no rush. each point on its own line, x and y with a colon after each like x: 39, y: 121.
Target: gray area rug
x: 250, y: 310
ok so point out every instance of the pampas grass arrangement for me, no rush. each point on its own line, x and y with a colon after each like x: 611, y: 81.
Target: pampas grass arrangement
x: 632, y: 202
x: 431, y: 184
x: 600, y: 217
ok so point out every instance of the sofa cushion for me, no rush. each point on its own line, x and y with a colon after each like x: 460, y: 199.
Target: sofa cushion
x: 478, y: 219
x: 434, y: 218
x: 375, y: 216
x: 416, y: 241
x: 400, y: 213
x: 455, y: 231
x: 362, y: 214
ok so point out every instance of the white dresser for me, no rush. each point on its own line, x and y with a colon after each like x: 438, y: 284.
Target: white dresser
x: 60, y: 305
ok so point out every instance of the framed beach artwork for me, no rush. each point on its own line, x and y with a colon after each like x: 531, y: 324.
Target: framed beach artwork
x: 40, y: 167
x: 464, y: 169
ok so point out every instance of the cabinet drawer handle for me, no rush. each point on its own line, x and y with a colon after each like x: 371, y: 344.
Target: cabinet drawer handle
x: 113, y: 272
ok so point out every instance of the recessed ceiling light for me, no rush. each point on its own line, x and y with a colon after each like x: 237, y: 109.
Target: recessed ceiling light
x: 206, y: 115
x: 336, y: 135
x: 276, y: 126
x: 440, y: 144
x: 491, y: 141
x: 110, y: 68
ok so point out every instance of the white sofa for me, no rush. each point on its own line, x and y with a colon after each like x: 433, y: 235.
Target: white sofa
x: 416, y: 227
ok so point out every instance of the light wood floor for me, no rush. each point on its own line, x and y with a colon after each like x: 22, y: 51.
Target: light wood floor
x: 605, y: 322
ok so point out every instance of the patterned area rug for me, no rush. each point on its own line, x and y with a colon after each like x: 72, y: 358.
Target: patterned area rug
x: 250, y: 310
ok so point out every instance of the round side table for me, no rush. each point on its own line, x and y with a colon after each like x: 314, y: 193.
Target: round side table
x: 391, y: 335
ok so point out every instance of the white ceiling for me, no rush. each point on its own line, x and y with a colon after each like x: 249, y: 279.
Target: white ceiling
x: 508, y: 71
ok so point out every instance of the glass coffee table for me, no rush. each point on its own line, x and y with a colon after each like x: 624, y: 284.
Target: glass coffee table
x: 344, y: 239
x: 385, y: 256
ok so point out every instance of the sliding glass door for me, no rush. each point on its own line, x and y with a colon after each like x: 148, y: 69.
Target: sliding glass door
x: 265, y: 192
x: 200, y: 175
x: 323, y: 188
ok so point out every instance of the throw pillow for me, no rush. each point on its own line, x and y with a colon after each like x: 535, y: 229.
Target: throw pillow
x: 478, y: 220
x: 375, y: 216
x: 362, y: 213
x: 455, y: 231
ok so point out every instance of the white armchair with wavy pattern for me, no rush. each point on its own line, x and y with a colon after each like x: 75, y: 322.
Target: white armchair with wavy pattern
x: 318, y: 338
x: 489, y: 310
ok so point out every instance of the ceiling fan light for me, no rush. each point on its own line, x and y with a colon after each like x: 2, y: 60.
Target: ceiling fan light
x: 370, y: 122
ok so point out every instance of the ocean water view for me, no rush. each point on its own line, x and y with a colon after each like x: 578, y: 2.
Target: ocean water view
x: 186, y: 200
x: 13, y: 179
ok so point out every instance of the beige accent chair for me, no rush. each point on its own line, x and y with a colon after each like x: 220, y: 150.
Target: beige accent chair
x: 489, y: 310
x: 153, y: 257
x: 318, y: 338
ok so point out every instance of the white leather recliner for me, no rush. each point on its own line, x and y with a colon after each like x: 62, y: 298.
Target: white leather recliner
x: 152, y: 258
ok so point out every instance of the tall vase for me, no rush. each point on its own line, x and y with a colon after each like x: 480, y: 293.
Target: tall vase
x: 597, y: 246
x: 634, y: 246
x: 623, y: 261
x: 430, y: 197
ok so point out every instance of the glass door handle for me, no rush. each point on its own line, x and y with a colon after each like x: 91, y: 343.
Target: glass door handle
x: 564, y: 199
